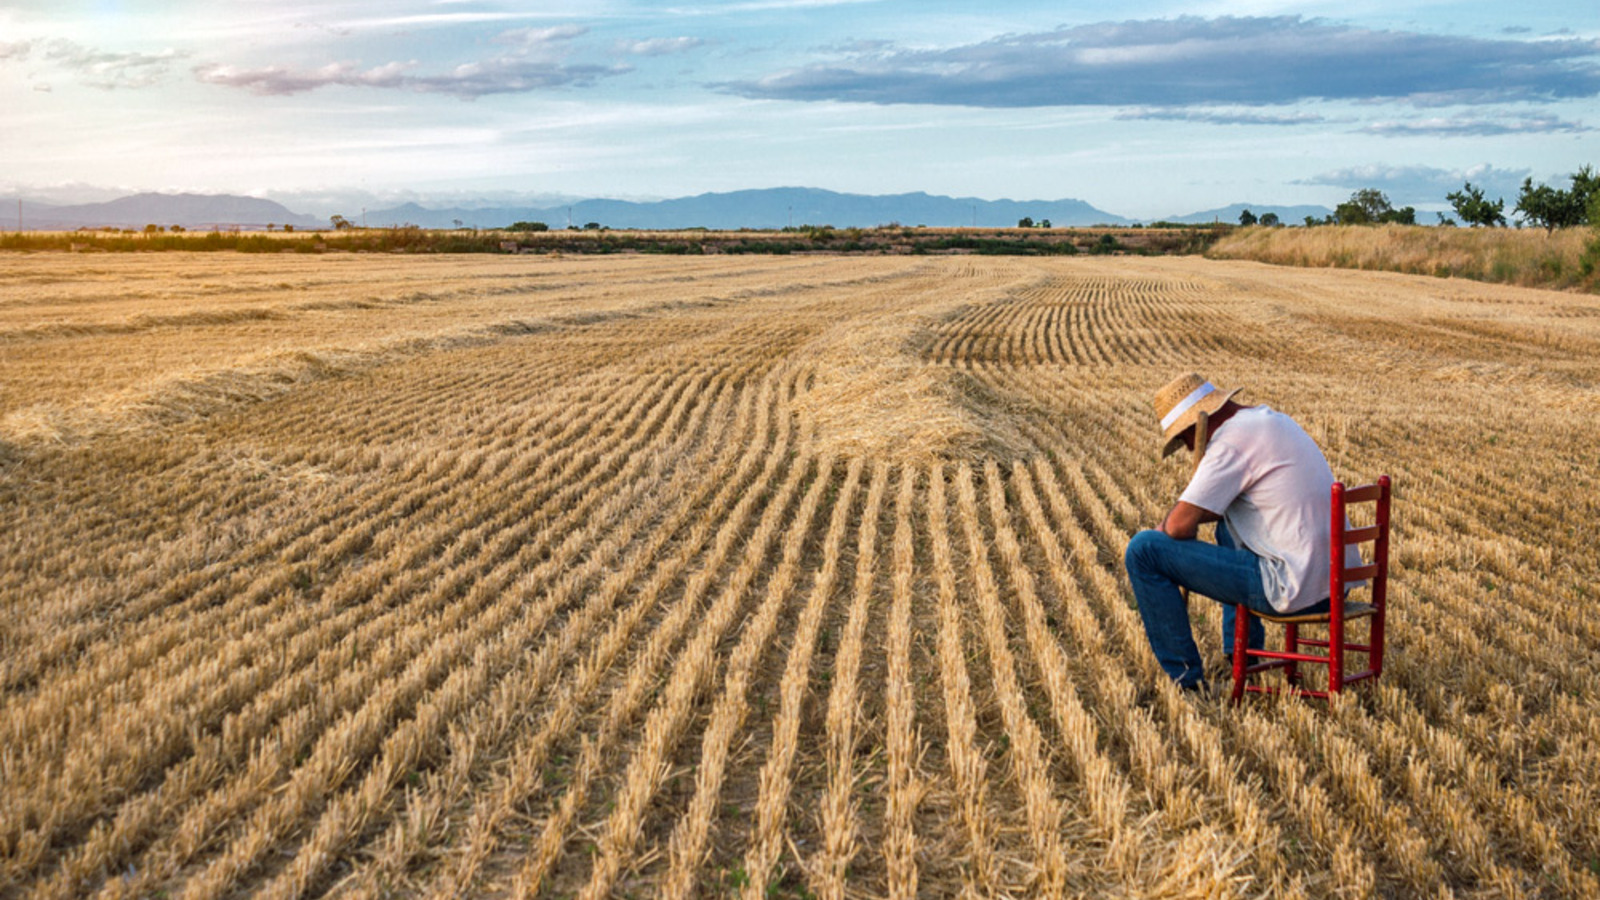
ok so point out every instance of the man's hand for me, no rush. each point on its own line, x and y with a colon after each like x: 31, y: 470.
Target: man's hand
x: 1184, y: 520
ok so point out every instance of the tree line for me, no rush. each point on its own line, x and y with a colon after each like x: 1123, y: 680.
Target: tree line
x: 1537, y: 205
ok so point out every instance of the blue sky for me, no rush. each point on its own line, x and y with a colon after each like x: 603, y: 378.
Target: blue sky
x: 1144, y: 108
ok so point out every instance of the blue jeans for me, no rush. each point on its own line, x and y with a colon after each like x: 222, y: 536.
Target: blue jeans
x: 1158, y: 565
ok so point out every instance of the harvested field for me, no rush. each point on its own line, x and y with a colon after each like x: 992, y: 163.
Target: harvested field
x: 372, y: 576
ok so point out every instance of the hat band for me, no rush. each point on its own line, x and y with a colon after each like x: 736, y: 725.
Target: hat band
x: 1186, y: 404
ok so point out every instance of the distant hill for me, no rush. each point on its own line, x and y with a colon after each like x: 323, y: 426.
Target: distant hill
x: 1289, y: 215
x: 33, y: 214
x: 768, y: 208
x: 192, y: 211
x: 758, y: 209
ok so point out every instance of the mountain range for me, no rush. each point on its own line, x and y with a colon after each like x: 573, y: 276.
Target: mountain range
x: 769, y: 208
x: 1288, y: 215
x: 759, y: 209
x: 193, y: 211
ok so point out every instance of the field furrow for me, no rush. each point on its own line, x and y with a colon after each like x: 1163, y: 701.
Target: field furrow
x: 711, y: 576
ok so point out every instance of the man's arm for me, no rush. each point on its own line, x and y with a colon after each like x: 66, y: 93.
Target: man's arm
x: 1184, y: 520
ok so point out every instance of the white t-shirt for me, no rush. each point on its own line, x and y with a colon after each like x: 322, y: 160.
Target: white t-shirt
x: 1271, y: 484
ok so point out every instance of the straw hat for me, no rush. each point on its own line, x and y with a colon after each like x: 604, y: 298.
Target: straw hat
x: 1179, y: 403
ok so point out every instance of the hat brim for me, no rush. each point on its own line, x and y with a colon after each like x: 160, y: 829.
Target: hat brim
x: 1209, y: 404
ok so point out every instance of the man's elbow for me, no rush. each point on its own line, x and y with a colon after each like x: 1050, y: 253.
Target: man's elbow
x: 1172, y: 524
x: 1181, y: 531
x: 1184, y: 521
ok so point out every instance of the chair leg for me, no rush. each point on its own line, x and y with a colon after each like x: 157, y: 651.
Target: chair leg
x: 1336, y: 651
x: 1241, y: 648
x: 1375, y: 640
x: 1291, y: 644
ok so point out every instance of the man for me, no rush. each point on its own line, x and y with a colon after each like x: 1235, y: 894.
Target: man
x: 1267, y: 485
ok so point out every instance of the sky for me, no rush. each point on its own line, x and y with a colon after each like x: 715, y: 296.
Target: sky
x: 1143, y: 108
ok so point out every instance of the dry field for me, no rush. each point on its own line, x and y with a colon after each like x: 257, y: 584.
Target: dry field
x: 1531, y: 257
x: 444, y: 576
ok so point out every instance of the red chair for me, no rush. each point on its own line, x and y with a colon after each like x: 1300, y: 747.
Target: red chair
x: 1375, y: 573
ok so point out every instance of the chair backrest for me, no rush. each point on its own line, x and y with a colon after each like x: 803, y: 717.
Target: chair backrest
x: 1375, y: 573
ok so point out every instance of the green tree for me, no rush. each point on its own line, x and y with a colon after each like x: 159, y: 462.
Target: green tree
x: 1370, y: 206
x: 1247, y: 218
x: 1351, y: 213
x: 1543, y: 205
x: 340, y: 223
x: 1025, y: 222
x: 1473, y: 209
x: 1271, y: 220
x: 1552, y: 208
x: 1586, y: 187
x: 528, y: 226
x: 1590, y: 260
x: 1373, y: 204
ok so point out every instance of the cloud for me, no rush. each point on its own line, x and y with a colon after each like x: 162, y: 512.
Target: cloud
x: 535, y: 60
x: 501, y: 75
x: 325, y: 28
x: 432, y: 20
x: 1421, y: 184
x: 540, y: 37
x: 1222, y: 117
x: 510, y: 75
x: 110, y: 71
x: 64, y: 193
x: 278, y: 80
x: 758, y: 6
x: 659, y: 46
x: 1194, y: 61
x: 1467, y: 127
x: 861, y: 47
x: 15, y: 49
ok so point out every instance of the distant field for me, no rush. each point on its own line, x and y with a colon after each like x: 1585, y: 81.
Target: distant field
x: 1567, y: 258
x: 369, y: 575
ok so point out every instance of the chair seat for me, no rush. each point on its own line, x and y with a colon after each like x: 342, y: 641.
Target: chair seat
x: 1352, y: 610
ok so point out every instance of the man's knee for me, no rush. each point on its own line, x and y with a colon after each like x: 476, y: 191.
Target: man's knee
x: 1142, y: 549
